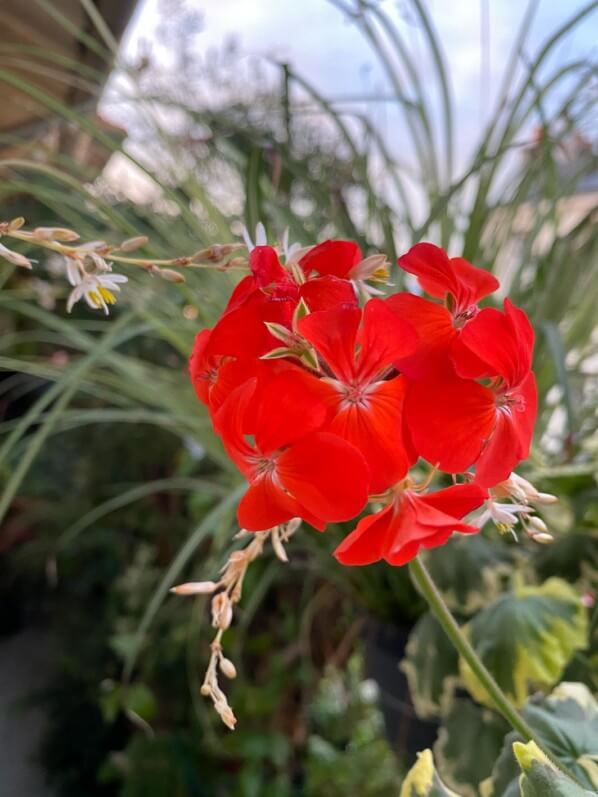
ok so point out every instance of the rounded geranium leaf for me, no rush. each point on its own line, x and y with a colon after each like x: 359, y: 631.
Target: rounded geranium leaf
x: 422, y: 780
x: 526, y: 638
x: 566, y: 725
x: 431, y: 666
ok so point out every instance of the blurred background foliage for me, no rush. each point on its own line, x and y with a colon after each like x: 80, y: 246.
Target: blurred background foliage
x: 114, y: 487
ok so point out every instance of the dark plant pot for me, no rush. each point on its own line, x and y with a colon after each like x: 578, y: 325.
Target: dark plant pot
x: 384, y: 648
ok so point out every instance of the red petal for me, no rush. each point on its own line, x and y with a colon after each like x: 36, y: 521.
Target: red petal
x: 325, y: 474
x: 291, y: 405
x: 242, y: 333
x: 439, y: 275
x: 423, y: 525
x: 433, y: 325
x: 201, y: 368
x: 241, y: 293
x: 326, y: 293
x: 368, y: 541
x: 231, y: 374
x: 474, y: 283
x: 264, y: 506
x: 331, y: 257
x: 458, y: 500
x: 266, y: 268
x: 512, y: 437
x: 333, y: 333
x: 375, y: 428
x: 384, y: 338
x: 229, y: 424
x: 449, y: 420
x: 503, y: 341
x: 431, y: 266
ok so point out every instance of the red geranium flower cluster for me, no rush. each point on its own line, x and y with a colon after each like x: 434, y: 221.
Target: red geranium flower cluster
x: 324, y: 404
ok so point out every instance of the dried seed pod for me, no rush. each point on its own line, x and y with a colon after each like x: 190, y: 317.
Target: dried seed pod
x: 222, y: 611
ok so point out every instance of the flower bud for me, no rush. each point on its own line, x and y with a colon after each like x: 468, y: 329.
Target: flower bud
x: 15, y: 258
x: 546, y: 498
x: 543, y: 539
x: 55, y: 234
x: 195, y: 588
x: 538, y: 524
x: 170, y: 275
x: 16, y: 224
x: 133, y: 243
x: 227, y: 667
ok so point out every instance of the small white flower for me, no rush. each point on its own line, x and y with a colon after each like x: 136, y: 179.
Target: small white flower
x: 97, y: 289
x: 504, y: 516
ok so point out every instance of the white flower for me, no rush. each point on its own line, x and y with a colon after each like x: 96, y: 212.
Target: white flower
x: 97, y: 289
x: 504, y: 516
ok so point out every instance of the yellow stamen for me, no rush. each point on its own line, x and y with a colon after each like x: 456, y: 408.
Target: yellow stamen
x: 107, y: 295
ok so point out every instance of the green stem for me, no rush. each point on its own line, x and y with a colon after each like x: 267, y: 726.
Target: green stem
x: 501, y: 702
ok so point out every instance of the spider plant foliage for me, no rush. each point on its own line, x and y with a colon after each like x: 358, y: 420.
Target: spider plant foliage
x: 198, y: 147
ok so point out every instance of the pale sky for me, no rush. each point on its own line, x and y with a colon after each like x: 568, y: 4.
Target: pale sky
x: 329, y: 50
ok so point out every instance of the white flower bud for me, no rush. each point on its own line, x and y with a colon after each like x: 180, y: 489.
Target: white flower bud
x: 543, y: 539
x: 538, y: 524
x: 546, y: 498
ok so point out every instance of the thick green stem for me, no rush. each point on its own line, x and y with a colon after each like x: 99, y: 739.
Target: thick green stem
x: 501, y: 702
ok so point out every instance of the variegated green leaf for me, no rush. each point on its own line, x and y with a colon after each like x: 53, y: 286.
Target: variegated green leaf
x: 526, y: 638
x: 422, y: 779
x: 470, y: 571
x: 566, y: 725
x: 431, y: 667
x: 468, y: 744
x: 540, y: 778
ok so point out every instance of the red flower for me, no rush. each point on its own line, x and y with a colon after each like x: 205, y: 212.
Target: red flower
x: 410, y: 522
x: 335, y: 258
x: 214, y: 376
x: 456, y: 422
x: 459, y: 284
x: 294, y: 469
x: 364, y: 392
